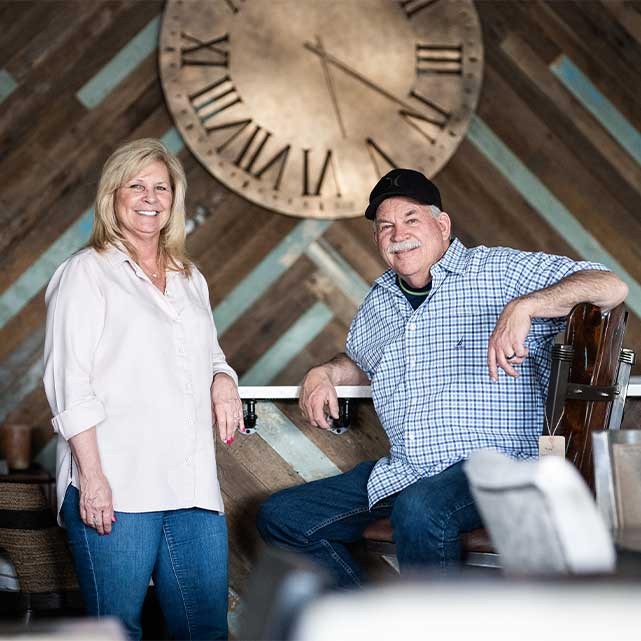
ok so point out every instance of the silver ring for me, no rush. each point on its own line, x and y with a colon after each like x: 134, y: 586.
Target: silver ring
x: 509, y: 358
x: 94, y: 519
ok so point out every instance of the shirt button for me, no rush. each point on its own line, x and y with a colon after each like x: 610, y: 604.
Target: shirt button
x: 412, y: 361
x: 188, y: 460
x: 412, y: 326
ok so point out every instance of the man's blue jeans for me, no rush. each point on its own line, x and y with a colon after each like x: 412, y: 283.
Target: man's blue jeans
x: 320, y: 518
x: 185, y: 551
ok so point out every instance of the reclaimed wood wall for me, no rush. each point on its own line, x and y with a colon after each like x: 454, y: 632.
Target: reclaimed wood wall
x: 552, y: 162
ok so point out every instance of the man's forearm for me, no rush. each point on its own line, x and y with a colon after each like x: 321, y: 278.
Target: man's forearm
x: 603, y: 289
x: 342, y: 370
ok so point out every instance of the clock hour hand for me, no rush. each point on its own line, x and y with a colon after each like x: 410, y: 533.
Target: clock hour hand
x: 329, y: 58
x: 330, y: 88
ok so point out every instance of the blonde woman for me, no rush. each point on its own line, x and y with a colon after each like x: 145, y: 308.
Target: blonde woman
x: 133, y: 374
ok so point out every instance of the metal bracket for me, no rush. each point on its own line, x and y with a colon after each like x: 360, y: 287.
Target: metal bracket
x: 249, y: 416
x: 592, y: 392
x: 341, y: 425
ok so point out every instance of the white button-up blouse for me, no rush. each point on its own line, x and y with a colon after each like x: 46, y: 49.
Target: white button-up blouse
x: 138, y: 365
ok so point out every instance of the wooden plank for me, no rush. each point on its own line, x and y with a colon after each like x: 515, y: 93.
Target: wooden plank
x: 574, y: 125
x: 561, y: 172
x: 627, y: 14
x: 353, y: 239
x: 487, y: 210
x: 254, y: 332
x: 18, y: 19
x: 284, y: 349
x: 66, y: 191
x: 584, y: 47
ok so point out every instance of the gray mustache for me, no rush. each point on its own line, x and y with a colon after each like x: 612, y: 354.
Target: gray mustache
x: 404, y: 245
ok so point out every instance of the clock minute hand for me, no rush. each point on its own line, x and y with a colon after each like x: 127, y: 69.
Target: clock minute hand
x: 330, y: 88
x: 322, y: 53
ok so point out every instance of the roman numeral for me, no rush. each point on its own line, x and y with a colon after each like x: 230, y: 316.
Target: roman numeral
x: 428, y: 125
x: 381, y: 161
x: 252, y: 151
x: 214, y: 99
x: 253, y: 157
x: 328, y: 166
x: 205, y: 53
x: 439, y: 59
x: 232, y: 7
x: 412, y: 7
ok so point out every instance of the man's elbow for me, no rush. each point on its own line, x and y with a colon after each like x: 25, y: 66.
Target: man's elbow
x: 618, y: 291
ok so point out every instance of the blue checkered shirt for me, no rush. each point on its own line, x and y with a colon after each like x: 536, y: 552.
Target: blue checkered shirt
x: 428, y: 367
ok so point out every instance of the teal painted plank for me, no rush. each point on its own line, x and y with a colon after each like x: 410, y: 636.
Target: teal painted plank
x: 341, y: 273
x: 267, y: 272
x: 304, y: 330
x: 7, y: 84
x: 173, y: 141
x: 582, y: 88
x: 548, y: 206
x: 308, y: 460
x: 33, y: 279
x: 120, y: 66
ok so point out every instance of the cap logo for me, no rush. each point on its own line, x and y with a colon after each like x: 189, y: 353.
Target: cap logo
x: 393, y: 180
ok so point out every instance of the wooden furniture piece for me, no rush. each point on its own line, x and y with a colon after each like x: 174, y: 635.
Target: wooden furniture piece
x: 587, y: 390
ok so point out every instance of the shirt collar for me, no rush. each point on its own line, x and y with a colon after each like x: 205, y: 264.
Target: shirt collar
x: 117, y: 255
x: 453, y: 260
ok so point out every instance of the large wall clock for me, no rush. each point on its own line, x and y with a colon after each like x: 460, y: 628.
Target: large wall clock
x: 301, y: 105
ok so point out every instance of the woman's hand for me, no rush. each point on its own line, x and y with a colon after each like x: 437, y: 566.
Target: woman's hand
x: 226, y: 406
x: 96, y: 507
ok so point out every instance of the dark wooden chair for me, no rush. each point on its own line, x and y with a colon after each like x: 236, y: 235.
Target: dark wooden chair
x: 587, y: 391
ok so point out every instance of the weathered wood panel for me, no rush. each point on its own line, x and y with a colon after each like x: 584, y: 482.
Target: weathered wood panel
x: 52, y: 148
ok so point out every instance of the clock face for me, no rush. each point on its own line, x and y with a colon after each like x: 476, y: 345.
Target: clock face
x: 302, y: 105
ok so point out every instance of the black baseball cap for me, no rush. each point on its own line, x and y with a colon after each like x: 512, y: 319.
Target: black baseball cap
x: 403, y: 182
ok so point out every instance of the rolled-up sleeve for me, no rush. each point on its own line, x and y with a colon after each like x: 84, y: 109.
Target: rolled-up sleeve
x: 75, y: 319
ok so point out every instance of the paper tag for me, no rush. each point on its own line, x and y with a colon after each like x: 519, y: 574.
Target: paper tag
x: 552, y: 446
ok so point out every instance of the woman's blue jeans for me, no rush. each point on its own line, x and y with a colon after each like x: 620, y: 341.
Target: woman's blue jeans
x: 185, y: 551
x: 320, y: 518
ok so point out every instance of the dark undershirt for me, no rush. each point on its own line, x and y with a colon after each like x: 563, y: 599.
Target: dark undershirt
x: 414, y: 296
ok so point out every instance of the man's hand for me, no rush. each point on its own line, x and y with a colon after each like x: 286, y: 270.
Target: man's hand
x: 318, y: 397
x: 226, y: 407
x: 506, y: 347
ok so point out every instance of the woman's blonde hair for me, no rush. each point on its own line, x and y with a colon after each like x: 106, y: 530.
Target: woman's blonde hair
x: 121, y: 166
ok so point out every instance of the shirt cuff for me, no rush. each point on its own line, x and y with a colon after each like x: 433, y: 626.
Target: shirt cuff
x: 225, y: 369
x: 79, y: 418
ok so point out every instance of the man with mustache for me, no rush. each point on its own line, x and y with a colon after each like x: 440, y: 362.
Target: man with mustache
x: 455, y: 343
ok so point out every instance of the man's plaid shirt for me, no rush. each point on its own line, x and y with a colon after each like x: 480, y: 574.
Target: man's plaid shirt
x: 428, y: 367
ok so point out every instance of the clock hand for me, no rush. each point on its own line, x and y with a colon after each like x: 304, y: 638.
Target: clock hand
x: 319, y: 51
x: 330, y: 87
